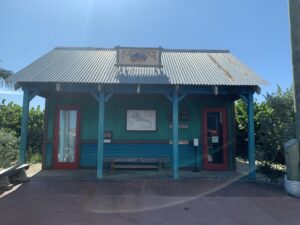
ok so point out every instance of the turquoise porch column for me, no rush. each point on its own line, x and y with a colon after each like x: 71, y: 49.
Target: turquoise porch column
x: 251, y: 138
x: 24, y: 127
x: 175, y: 136
x: 101, y: 135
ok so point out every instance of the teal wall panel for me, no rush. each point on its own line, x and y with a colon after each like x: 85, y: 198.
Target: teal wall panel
x: 88, y: 156
x: 115, y: 121
x: 49, y: 156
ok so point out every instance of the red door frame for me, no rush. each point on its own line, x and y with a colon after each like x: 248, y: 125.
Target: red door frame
x: 59, y: 165
x: 216, y: 166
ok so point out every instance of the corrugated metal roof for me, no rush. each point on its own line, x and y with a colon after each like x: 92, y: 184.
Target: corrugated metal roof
x: 92, y: 65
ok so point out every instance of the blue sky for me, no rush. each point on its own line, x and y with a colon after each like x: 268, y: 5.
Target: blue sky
x: 256, y: 31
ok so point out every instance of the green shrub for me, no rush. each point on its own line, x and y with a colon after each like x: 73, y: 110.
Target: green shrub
x: 9, y: 148
x: 10, y: 120
x: 274, y: 174
x: 35, y: 130
x: 274, y: 121
x: 35, y: 157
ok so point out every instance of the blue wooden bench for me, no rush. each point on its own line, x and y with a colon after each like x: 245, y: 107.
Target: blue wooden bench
x: 137, y: 162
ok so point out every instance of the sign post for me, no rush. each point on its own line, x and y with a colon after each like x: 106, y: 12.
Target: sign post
x: 196, y: 144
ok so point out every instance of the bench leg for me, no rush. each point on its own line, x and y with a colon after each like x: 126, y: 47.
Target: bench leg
x: 20, y: 177
x: 112, y: 165
x: 5, y: 184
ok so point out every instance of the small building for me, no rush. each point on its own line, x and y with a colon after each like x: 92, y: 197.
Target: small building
x: 139, y: 103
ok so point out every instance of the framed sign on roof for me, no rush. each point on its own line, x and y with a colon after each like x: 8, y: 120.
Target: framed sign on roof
x: 149, y: 57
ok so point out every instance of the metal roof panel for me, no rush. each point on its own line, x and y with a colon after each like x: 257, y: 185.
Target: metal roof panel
x: 92, y: 65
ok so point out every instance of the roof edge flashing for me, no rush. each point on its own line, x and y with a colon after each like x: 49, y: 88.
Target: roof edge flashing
x: 162, y: 49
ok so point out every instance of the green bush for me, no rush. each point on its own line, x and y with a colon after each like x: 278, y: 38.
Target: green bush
x: 9, y: 148
x: 35, y: 157
x: 274, y: 124
x: 10, y: 117
x: 10, y: 120
x: 35, y: 130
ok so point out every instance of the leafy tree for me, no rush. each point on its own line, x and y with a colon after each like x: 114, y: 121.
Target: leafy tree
x: 35, y: 129
x: 241, y: 128
x: 10, y: 117
x: 274, y: 124
x: 9, y: 145
x: 5, y: 73
x: 10, y: 121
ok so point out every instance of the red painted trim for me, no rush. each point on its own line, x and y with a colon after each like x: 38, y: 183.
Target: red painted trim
x: 74, y: 165
x: 215, y: 166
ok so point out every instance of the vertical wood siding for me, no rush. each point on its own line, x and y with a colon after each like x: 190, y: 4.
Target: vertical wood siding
x: 115, y: 122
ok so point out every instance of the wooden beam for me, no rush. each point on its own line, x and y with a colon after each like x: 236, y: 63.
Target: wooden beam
x: 175, y: 136
x: 147, y: 88
x: 32, y: 95
x: 244, y: 98
x: 169, y: 97
x: 108, y: 96
x: 251, y: 140
x: 24, y: 127
x: 95, y: 96
x: 45, y: 135
x: 101, y: 134
x: 181, y: 97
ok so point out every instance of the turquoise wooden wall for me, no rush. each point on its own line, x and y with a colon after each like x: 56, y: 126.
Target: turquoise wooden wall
x: 115, y: 122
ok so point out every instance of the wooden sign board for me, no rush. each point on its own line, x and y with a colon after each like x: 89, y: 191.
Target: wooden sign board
x: 150, y: 57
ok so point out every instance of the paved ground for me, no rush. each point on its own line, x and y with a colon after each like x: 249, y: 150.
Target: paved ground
x: 80, y: 199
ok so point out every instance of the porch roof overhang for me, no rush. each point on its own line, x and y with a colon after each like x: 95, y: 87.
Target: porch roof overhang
x: 235, y: 92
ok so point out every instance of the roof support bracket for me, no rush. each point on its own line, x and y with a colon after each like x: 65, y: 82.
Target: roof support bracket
x: 244, y: 98
x: 181, y: 97
x: 169, y: 97
x: 32, y: 95
x: 108, y: 96
x: 95, y: 96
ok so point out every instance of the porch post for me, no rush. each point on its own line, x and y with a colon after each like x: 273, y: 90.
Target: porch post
x: 175, y: 135
x: 101, y: 135
x: 24, y: 127
x: 251, y: 140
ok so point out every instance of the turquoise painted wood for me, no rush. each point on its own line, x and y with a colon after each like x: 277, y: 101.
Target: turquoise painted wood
x: 116, y: 108
x: 101, y: 117
x: 72, y: 88
x: 88, y: 153
x: 115, y: 119
x: 251, y: 140
x: 175, y: 135
x: 49, y: 156
x: 24, y: 127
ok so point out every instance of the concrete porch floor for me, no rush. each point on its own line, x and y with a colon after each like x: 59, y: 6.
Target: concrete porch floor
x: 76, y: 197
x: 111, y: 175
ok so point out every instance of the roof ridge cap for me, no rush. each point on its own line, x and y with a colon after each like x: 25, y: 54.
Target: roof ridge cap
x: 163, y: 49
x: 82, y: 48
x: 198, y: 50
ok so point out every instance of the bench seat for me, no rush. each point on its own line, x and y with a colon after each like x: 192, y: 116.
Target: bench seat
x: 14, y: 173
x: 136, y: 162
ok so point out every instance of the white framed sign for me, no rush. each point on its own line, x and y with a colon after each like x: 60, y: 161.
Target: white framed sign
x: 150, y: 57
x: 141, y: 120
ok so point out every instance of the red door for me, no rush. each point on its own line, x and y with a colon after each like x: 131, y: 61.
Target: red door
x: 66, y: 138
x: 215, y: 139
